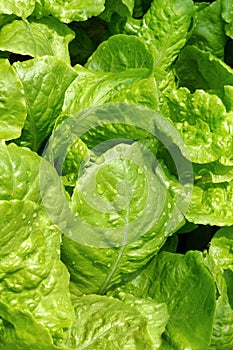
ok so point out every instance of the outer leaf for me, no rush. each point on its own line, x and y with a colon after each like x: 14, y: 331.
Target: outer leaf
x: 222, y: 335
x: 71, y: 10
x: 20, y: 331
x: 203, y: 73
x: 165, y: 28
x: 211, y: 204
x: 45, y: 81
x: 37, y: 38
x: 119, y: 53
x: 123, y: 8
x: 221, y: 248
x: 188, y: 289
x: 103, y: 322
x: 203, y: 122
x: 19, y: 8
x: 143, y: 92
x: 26, y: 282
x: 213, y: 172
x: 227, y: 8
x: 19, y: 168
x: 156, y: 314
x: 208, y: 33
x: 94, y: 88
x: 13, y: 105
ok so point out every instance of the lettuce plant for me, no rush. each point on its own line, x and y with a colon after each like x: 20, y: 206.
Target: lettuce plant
x: 116, y: 175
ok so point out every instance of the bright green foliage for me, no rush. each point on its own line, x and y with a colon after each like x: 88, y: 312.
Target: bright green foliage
x: 116, y: 175
x: 103, y: 322
x: 34, y: 282
x: 45, y: 81
x: 17, y: 7
x: 13, y: 104
x: 186, y: 286
x: 37, y: 38
x: 68, y: 11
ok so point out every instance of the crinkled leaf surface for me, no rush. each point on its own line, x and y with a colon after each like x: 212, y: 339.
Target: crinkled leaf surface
x: 33, y: 279
x: 165, y: 27
x: 156, y: 314
x: 112, y: 212
x: 16, y: 7
x: 122, y: 209
x: 123, y: 8
x: 13, y: 104
x: 36, y: 38
x: 211, y: 204
x: 71, y: 10
x: 222, y: 334
x: 188, y: 289
x: 227, y: 8
x: 221, y: 248
x: 94, y: 88
x: 208, y: 33
x: 203, y: 122
x: 107, y: 323
x: 119, y: 53
x: 208, y: 71
x: 19, y: 174
x: 45, y: 81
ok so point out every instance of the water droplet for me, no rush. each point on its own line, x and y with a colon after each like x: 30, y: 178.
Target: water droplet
x: 23, y: 216
x: 140, y: 171
x: 100, y: 160
x: 100, y: 188
x: 118, y: 148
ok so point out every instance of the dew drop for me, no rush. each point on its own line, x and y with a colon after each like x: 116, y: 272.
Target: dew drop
x: 100, y: 160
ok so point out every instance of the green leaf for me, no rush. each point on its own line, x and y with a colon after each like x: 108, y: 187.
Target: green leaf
x: 211, y: 204
x: 188, y: 289
x: 123, y: 203
x: 156, y: 314
x: 69, y: 11
x: 19, y: 330
x: 104, y: 321
x: 227, y: 8
x: 45, y: 81
x: 213, y: 172
x: 37, y: 38
x: 13, y: 104
x: 19, y: 8
x: 119, y: 53
x: 118, y: 216
x: 208, y: 33
x: 203, y: 123
x: 92, y: 88
x: 221, y: 248
x: 19, y: 169
x: 76, y: 154
x: 165, y: 29
x: 123, y: 8
x: 203, y: 73
x: 222, y: 335
x: 33, y: 279
x: 143, y: 92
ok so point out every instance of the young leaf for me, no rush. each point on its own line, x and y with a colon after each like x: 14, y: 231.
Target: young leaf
x: 45, y: 81
x: 13, y: 104
x: 37, y: 38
